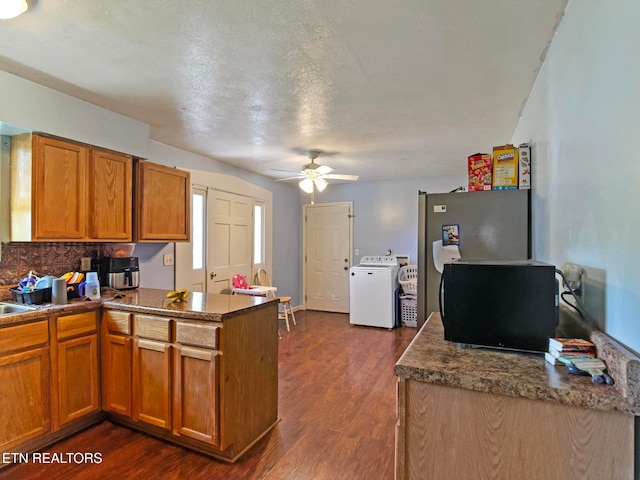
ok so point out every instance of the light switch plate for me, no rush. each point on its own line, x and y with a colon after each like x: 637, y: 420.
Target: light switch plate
x: 167, y: 260
x: 85, y: 264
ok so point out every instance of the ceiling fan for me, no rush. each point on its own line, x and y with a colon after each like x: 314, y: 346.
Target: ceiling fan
x: 314, y: 176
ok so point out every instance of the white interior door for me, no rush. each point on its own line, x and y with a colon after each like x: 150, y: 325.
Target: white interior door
x: 328, y: 238
x: 230, y: 239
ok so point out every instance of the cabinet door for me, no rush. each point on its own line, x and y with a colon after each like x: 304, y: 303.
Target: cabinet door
x: 151, y: 382
x: 116, y: 373
x: 78, y: 378
x: 110, y: 193
x: 25, y: 398
x: 196, y: 409
x: 59, y: 190
x: 163, y: 203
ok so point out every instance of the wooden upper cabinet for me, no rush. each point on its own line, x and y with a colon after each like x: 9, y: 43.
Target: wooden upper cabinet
x: 110, y: 191
x: 163, y: 203
x: 59, y: 189
x: 67, y: 191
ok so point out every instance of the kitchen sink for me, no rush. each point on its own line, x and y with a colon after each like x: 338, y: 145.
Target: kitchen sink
x: 10, y: 308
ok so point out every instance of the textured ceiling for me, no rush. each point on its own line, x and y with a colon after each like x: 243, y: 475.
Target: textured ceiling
x: 390, y: 89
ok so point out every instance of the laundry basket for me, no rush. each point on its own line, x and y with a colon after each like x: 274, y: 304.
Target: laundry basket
x: 409, y: 310
x: 408, y: 279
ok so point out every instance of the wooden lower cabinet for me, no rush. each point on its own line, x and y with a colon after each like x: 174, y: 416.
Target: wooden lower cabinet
x: 196, y: 409
x: 78, y: 378
x: 152, y: 382
x: 25, y: 398
x: 117, y: 354
x: 208, y: 385
x: 453, y: 433
x: 117, y: 362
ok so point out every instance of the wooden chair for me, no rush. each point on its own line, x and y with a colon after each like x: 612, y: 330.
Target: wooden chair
x: 262, y: 278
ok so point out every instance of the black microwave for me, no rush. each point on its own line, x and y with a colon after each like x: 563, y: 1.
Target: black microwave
x: 509, y: 304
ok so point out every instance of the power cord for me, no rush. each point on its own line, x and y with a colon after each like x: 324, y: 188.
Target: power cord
x: 581, y: 311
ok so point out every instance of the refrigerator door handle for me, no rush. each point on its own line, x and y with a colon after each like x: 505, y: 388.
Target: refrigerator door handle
x: 440, y: 294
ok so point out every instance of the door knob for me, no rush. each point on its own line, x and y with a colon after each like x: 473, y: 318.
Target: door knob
x: 212, y: 275
x: 346, y: 260
x: 346, y: 268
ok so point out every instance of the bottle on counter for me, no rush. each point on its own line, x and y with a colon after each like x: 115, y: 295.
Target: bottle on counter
x: 92, y: 286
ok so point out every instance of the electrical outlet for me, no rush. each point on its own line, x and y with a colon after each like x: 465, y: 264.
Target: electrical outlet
x: 573, y: 276
x: 85, y: 264
x: 167, y: 260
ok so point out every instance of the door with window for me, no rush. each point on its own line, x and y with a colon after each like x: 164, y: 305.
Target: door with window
x: 328, y: 239
x: 230, y: 234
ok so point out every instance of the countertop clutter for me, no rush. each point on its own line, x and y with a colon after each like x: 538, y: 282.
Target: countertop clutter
x: 431, y: 359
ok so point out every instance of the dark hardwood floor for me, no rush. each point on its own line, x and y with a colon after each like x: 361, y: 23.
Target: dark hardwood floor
x: 337, y: 410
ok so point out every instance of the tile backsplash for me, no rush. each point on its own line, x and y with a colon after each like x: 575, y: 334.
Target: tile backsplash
x: 44, y: 258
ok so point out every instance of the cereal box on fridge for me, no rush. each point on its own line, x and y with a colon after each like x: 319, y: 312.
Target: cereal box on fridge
x: 505, y: 167
x: 479, y: 165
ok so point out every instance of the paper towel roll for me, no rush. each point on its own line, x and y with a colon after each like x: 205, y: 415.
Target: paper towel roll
x: 444, y: 254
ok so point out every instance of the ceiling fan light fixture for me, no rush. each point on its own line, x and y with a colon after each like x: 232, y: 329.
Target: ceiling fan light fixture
x: 306, y: 185
x: 321, y: 184
x: 12, y: 8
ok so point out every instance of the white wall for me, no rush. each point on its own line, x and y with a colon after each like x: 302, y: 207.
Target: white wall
x: 386, y: 212
x: 40, y: 109
x: 583, y: 121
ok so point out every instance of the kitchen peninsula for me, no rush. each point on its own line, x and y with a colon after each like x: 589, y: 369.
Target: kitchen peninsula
x: 482, y: 413
x: 201, y: 373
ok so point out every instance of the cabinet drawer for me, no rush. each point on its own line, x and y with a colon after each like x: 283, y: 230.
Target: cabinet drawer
x: 24, y: 336
x: 155, y: 328
x: 199, y: 334
x: 117, y: 322
x: 76, y: 325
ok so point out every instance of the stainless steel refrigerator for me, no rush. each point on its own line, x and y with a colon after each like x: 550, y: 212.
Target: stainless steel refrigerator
x: 493, y: 225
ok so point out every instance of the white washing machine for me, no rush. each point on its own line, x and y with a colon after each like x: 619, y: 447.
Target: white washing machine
x: 372, y: 291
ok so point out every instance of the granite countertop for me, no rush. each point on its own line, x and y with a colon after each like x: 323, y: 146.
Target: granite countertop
x: 197, y: 306
x: 431, y: 359
x: 43, y: 311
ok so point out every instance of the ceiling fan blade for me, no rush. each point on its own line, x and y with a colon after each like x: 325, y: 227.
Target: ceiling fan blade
x: 323, y: 169
x: 289, y: 178
x: 337, y: 176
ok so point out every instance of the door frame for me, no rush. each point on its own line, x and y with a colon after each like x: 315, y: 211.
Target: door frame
x: 348, y: 203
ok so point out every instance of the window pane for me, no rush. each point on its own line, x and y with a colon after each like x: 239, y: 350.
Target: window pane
x: 198, y: 231
x: 257, y: 234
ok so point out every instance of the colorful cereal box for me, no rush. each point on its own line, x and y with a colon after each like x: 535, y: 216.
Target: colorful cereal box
x: 505, y: 167
x: 479, y: 172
